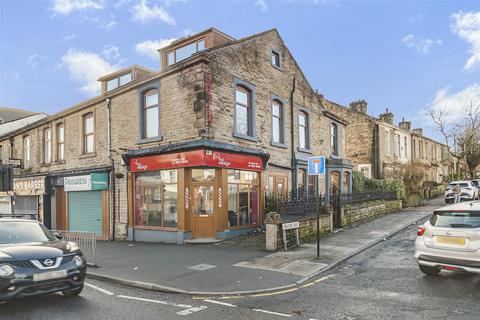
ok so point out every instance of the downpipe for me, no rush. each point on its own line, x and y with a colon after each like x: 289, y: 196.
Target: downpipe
x: 112, y: 161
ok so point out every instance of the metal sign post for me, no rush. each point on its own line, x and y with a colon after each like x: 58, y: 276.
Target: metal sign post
x: 316, y: 167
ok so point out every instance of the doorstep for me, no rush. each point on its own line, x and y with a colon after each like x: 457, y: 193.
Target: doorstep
x: 202, y: 241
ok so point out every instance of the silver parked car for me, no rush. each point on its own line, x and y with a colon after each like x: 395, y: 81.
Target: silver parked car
x: 468, y: 191
x: 450, y: 239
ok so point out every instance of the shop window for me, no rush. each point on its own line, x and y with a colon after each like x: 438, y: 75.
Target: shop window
x: 244, y: 121
x: 203, y: 175
x: 26, y: 152
x: 243, y: 198
x: 60, y: 142
x: 156, y: 199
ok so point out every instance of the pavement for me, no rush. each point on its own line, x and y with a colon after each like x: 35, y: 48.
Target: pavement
x: 241, y: 266
x: 381, y: 283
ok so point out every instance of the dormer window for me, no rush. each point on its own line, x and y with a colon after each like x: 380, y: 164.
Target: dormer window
x: 185, y: 52
x: 119, y: 81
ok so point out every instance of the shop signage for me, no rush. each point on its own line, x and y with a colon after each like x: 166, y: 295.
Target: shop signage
x: 16, y: 163
x: 196, y: 158
x: 187, y: 198
x: 220, y: 197
x: 29, y: 186
x: 93, y: 181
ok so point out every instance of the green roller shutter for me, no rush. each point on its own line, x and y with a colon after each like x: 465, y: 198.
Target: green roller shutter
x: 85, y: 211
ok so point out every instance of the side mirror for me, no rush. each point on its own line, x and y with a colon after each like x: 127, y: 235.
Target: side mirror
x: 58, y: 236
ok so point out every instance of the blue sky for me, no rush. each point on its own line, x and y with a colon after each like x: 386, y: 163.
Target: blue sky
x: 408, y: 56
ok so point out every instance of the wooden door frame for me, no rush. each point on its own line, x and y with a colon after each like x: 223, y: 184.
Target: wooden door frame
x: 213, y: 217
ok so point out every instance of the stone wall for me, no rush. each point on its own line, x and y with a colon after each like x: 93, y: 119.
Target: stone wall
x: 368, y: 210
x: 307, y: 231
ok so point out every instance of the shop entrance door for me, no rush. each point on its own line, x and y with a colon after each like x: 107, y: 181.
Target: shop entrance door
x: 203, y: 210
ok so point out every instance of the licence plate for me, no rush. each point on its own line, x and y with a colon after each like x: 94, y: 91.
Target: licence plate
x: 50, y: 275
x: 456, y: 241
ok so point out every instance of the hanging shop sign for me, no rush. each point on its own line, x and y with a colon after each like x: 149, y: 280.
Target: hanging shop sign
x: 88, y: 182
x: 29, y: 186
x: 196, y: 158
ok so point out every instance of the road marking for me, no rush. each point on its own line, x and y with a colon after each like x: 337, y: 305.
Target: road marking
x: 324, y: 278
x: 186, y: 312
x: 156, y: 301
x: 308, y: 285
x: 99, y: 289
x: 274, y: 313
x: 220, y: 303
x: 273, y: 293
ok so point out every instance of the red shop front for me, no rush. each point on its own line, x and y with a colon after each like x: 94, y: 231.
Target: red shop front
x: 176, y: 197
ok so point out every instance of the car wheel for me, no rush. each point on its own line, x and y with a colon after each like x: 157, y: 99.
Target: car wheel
x: 72, y: 292
x: 431, y: 271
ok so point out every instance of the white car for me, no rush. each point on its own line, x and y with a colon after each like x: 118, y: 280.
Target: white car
x: 450, y: 240
x: 468, y: 191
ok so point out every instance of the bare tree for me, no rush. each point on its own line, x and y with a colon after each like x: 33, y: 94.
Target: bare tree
x: 462, y: 137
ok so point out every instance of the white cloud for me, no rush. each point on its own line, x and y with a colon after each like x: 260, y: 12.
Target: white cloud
x: 110, y: 52
x: 422, y: 45
x: 143, y: 13
x: 65, y: 7
x: 453, y: 104
x: 467, y: 26
x: 86, y: 67
x: 262, y: 4
x: 149, y: 48
x: 34, y: 60
x: 69, y: 37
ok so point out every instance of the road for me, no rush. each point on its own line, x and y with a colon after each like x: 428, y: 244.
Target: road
x: 380, y: 283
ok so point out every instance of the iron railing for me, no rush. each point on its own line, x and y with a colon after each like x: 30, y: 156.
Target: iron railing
x: 87, y: 241
x: 298, y: 204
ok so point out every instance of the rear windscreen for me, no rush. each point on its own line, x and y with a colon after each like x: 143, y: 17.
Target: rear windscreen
x: 453, y: 219
x: 462, y: 185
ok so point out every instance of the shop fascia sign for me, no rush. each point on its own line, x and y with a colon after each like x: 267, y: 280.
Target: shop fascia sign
x: 29, y: 186
x: 88, y: 182
x: 196, y: 158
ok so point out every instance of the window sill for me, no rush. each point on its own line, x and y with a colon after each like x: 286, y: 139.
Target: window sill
x: 87, y: 155
x: 245, y: 137
x: 59, y: 162
x: 157, y: 228
x: 279, y: 145
x: 305, y: 150
x: 278, y: 67
x: 147, y: 140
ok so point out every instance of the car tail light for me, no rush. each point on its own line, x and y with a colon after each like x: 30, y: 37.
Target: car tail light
x: 449, y: 268
x: 420, y: 231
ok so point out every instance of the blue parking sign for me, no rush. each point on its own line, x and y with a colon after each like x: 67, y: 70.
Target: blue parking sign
x: 316, y: 165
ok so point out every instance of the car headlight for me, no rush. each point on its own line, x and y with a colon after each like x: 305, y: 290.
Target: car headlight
x: 72, y: 246
x: 6, y: 270
x: 78, y: 261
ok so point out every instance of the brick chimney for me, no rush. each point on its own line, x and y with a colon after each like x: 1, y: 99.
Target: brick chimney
x: 359, y: 106
x: 387, y: 117
x: 406, y: 125
x: 418, y: 131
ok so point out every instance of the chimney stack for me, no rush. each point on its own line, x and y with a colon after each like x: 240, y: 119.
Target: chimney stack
x: 418, y: 131
x: 359, y: 106
x: 387, y: 117
x: 406, y: 125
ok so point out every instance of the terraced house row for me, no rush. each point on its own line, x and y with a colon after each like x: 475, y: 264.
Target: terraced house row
x: 184, y: 152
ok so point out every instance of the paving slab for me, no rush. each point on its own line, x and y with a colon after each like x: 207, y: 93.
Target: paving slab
x: 240, y: 265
